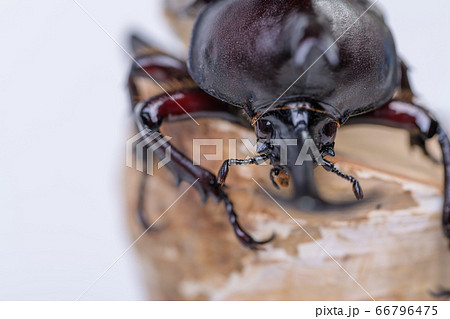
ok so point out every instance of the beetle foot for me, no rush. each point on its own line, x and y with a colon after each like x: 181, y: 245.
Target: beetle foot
x: 223, y: 172
x: 244, y: 238
x: 249, y: 242
x: 357, y: 190
x: 441, y: 293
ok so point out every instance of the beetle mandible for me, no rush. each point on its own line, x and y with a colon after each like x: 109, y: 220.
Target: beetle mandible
x: 299, y: 69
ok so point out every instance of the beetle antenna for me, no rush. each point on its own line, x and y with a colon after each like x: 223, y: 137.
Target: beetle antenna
x: 357, y: 190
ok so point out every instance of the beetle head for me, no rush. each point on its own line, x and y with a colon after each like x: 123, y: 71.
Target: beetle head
x: 296, y: 137
x: 296, y: 124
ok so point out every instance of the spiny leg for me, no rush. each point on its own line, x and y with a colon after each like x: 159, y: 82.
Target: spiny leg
x: 152, y: 72
x: 181, y: 167
x: 155, y: 106
x: 424, y: 122
x: 241, y: 234
x: 443, y: 293
x: 357, y: 190
x: 184, y: 169
x: 403, y: 112
x: 224, y: 169
x: 151, y: 69
x: 416, y: 139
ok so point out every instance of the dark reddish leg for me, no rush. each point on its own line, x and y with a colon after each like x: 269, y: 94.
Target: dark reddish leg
x: 403, y: 113
x: 149, y: 115
x: 157, y: 106
x: 152, y: 72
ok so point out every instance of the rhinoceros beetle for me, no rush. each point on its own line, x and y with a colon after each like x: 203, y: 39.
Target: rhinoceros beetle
x: 299, y: 69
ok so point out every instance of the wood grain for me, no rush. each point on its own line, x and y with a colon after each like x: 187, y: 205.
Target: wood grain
x: 392, y: 244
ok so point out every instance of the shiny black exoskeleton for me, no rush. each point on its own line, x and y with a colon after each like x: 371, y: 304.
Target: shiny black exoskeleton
x: 299, y: 69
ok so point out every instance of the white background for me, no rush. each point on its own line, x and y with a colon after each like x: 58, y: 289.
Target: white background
x: 64, y: 120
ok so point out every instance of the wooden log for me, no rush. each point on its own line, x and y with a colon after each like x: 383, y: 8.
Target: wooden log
x: 392, y: 245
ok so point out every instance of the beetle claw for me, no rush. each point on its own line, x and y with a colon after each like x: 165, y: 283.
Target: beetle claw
x: 253, y: 244
x: 357, y: 190
x: 419, y: 141
x: 244, y: 238
x: 223, y: 172
x: 256, y: 245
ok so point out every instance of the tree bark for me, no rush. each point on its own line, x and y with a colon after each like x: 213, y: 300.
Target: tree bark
x: 390, y: 247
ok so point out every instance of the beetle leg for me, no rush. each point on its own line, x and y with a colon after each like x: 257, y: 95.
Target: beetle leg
x: 223, y: 171
x: 357, y: 190
x: 416, y: 139
x: 141, y: 200
x: 241, y: 234
x: 172, y: 77
x: 414, y: 118
x: 406, y: 94
x: 402, y: 112
x: 149, y: 115
x: 152, y: 72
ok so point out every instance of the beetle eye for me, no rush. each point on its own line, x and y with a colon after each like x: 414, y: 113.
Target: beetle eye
x: 330, y: 129
x: 264, y: 129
